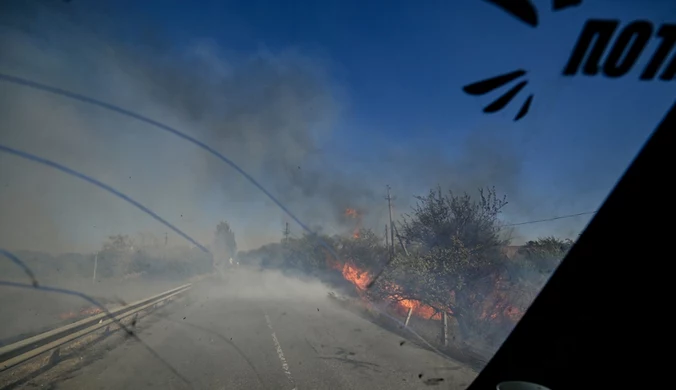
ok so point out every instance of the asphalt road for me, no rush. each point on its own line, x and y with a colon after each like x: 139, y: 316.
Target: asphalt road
x: 254, y: 332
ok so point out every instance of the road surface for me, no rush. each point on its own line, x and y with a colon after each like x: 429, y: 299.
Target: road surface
x: 259, y: 334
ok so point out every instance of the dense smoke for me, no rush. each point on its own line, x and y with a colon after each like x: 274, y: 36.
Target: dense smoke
x: 275, y: 114
x: 264, y: 111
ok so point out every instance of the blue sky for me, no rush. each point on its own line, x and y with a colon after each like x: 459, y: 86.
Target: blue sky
x: 399, y: 69
x: 402, y: 67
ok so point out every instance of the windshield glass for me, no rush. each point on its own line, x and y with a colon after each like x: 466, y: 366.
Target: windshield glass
x: 303, y: 195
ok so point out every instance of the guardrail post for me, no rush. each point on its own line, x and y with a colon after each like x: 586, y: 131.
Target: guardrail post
x: 38, y: 345
x: 54, y: 357
x: 408, y: 317
x: 444, y: 329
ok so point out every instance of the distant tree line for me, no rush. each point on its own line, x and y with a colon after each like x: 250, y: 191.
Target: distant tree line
x: 119, y: 256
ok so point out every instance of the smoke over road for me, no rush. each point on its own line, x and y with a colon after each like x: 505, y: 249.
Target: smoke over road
x: 275, y: 113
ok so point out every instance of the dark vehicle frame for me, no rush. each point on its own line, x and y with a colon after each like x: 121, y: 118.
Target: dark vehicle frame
x: 602, y: 319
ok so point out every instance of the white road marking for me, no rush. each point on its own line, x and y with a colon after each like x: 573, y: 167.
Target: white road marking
x: 280, y: 353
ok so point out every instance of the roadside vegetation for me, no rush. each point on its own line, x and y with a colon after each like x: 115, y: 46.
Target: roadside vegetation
x: 449, y: 259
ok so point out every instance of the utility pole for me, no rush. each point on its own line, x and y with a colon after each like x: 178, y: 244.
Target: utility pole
x: 401, y: 242
x: 389, y: 206
x: 166, y: 239
x: 387, y: 239
x: 96, y: 262
x: 286, y: 232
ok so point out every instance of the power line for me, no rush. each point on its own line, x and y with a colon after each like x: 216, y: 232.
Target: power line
x: 550, y: 219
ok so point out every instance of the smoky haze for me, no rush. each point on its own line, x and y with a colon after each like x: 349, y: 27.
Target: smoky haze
x: 274, y: 113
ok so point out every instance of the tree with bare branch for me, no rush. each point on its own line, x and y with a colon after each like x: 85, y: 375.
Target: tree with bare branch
x: 455, y: 253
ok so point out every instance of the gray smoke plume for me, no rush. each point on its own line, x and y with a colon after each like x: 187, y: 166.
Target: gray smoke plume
x: 275, y: 114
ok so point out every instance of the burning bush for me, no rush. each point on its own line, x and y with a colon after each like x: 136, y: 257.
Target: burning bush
x: 532, y: 266
x: 455, y: 264
x: 455, y: 256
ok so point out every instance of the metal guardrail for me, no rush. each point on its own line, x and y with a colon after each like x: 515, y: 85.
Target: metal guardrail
x: 16, y: 353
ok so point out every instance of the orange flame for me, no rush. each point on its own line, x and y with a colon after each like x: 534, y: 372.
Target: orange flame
x: 68, y: 315
x: 360, y: 280
x: 419, y: 309
x: 84, y: 312
x: 352, y: 213
x: 498, y: 307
